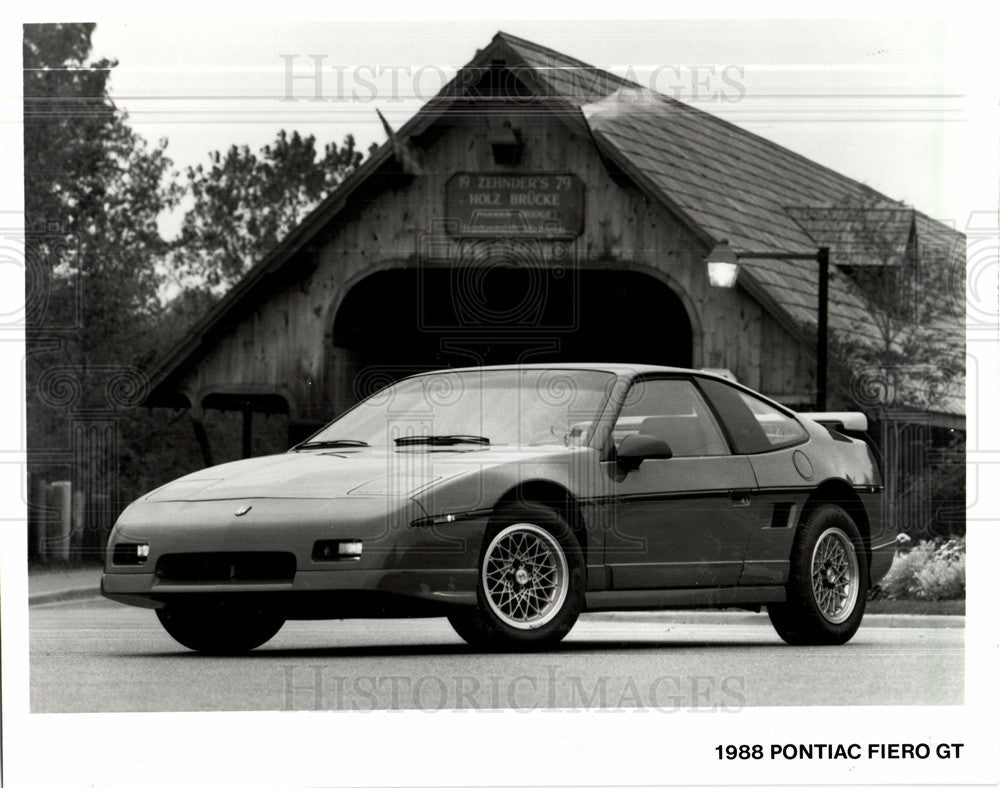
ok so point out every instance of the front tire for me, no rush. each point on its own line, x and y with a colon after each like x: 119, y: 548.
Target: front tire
x: 220, y: 630
x: 828, y: 582
x: 531, y: 582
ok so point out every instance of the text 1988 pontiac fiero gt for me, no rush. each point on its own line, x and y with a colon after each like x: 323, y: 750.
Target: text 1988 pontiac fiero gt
x: 511, y: 499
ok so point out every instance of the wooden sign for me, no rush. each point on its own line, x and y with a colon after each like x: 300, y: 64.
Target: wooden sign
x: 522, y: 204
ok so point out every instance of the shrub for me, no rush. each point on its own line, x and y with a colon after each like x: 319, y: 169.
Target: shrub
x: 933, y: 569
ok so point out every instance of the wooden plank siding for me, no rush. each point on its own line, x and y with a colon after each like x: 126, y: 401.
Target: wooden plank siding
x: 691, y: 180
x: 285, y: 344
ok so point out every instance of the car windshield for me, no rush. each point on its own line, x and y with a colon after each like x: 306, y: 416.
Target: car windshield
x: 476, y: 408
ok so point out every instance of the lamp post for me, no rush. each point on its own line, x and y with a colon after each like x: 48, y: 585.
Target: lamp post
x: 723, y: 269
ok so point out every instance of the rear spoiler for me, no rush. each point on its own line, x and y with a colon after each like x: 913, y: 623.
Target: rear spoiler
x: 841, y: 420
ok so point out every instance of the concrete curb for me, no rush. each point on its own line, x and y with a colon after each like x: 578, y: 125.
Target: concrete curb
x: 64, y: 595
x: 670, y: 617
x: 723, y: 617
x: 914, y: 620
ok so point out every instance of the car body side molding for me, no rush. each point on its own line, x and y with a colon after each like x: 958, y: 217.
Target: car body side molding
x: 665, y: 598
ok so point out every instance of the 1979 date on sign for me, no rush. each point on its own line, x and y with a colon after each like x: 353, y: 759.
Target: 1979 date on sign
x: 830, y: 752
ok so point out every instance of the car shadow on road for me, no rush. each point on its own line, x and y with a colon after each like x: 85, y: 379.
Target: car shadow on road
x: 461, y: 649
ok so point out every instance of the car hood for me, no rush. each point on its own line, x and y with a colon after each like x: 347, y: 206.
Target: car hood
x: 338, y: 473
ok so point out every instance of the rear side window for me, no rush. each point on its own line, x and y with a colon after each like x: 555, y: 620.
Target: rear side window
x: 753, y: 425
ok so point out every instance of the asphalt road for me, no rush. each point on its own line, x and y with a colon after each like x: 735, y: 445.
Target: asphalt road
x: 97, y: 656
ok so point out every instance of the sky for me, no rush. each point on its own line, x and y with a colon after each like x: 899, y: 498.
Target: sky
x: 878, y: 100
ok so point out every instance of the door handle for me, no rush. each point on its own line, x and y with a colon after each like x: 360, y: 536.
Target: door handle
x: 740, y: 498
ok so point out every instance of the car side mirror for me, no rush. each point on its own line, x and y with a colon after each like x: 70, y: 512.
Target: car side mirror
x: 636, y: 448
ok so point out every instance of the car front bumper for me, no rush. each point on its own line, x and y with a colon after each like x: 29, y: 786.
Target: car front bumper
x: 341, y: 593
x: 402, y: 567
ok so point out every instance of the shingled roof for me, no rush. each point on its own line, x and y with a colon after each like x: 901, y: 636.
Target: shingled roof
x: 731, y: 184
x: 724, y: 182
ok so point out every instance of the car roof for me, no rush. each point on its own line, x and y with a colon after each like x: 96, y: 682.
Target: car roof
x: 617, y: 368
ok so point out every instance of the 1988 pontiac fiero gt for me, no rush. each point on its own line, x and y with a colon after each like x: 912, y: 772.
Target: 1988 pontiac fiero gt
x: 510, y: 499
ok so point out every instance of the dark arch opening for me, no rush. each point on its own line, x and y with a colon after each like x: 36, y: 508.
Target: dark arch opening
x: 393, y: 323
x: 268, y: 437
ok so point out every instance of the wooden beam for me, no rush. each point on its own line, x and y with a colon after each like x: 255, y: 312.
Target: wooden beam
x: 247, y: 432
x: 202, y: 437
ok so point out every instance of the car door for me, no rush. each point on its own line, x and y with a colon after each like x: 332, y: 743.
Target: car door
x: 778, y: 449
x: 682, y: 522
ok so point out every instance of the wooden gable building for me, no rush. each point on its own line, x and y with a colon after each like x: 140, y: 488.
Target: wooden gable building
x: 537, y: 209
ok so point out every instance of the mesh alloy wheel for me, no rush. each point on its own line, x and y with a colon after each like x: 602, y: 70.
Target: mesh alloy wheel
x: 525, y: 576
x: 827, y: 584
x: 834, y: 575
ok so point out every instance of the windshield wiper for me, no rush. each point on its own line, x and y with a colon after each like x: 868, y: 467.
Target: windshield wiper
x: 441, y: 440
x: 343, y: 443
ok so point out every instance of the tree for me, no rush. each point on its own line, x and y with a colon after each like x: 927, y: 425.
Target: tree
x: 94, y: 190
x: 907, y: 350
x: 908, y: 362
x: 66, y: 111
x: 244, y: 203
x: 97, y: 266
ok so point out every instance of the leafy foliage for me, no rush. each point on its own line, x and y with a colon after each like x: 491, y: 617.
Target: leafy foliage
x: 932, y: 569
x: 244, y: 203
x: 909, y: 362
x: 94, y: 190
x: 913, y: 286
x: 66, y: 110
x: 98, y: 268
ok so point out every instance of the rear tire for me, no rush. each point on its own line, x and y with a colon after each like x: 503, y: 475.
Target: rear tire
x: 220, y: 629
x: 828, y: 582
x: 531, y: 582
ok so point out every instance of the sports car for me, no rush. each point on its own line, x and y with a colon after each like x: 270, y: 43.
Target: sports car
x: 511, y: 499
